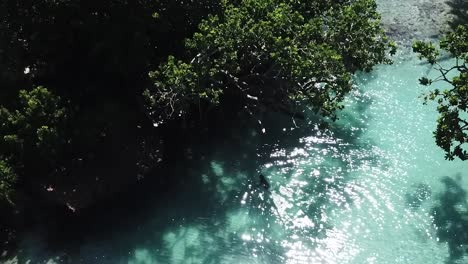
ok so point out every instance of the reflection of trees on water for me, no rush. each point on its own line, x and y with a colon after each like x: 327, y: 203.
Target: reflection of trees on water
x: 451, y: 218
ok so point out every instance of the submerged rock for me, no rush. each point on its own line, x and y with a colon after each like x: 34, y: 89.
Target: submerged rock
x: 421, y: 193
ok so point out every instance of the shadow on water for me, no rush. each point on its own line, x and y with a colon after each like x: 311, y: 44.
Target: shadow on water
x: 451, y: 218
x: 203, y: 216
x: 459, y: 9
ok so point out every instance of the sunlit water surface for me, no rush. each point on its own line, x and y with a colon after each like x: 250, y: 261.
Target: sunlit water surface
x: 371, y: 188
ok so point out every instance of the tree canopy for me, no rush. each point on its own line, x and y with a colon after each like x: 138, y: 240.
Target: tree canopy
x: 32, y: 137
x: 452, y: 103
x: 84, y: 81
x: 272, y: 53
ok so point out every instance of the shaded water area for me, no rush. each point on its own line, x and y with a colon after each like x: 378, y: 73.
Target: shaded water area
x: 370, y: 188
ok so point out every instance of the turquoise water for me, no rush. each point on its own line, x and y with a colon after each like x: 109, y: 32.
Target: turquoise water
x: 363, y: 191
x: 371, y: 188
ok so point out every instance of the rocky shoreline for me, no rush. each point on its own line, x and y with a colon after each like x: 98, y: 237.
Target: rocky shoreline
x: 421, y: 19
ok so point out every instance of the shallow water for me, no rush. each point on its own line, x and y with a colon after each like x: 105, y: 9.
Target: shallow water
x: 371, y: 188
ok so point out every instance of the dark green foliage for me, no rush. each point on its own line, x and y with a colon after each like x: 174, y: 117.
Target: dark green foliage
x: 95, y: 55
x: 32, y: 137
x: 34, y: 124
x: 426, y: 51
x: 272, y: 53
x: 93, y: 43
x: 452, y: 124
x: 94, y: 58
x: 7, y: 181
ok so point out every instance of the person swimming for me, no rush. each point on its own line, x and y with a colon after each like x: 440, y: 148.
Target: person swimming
x: 263, y: 182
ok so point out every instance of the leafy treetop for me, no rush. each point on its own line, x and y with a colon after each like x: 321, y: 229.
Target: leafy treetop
x: 31, y: 137
x: 273, y: 53
x: 452, y: 125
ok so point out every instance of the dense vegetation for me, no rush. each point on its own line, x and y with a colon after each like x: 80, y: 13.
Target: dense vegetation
x: 85, y: 83
x: 452, y: 102
x: 71, y: 74
x: 272, y: 54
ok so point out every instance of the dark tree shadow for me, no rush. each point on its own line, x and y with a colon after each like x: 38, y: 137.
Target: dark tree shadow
x: 459, y: 10
x: 451, y: 218
x: 196, y: 194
